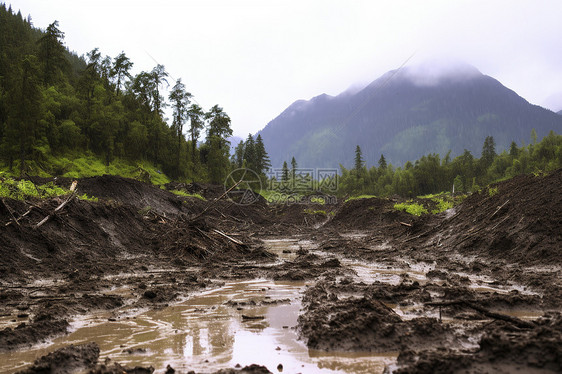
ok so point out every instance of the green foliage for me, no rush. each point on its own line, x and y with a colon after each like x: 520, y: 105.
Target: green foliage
x: 60, y: 114
x: 25, y: 189
x: 492, y: 191
x: 411, y: 208
x: 314, y: 212
x: 431, y: 174
x: 359, y: 197
x: 442, y: 205
x: 186, y: 194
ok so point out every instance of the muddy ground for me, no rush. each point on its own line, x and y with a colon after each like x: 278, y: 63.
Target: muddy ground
x: 466, y: 282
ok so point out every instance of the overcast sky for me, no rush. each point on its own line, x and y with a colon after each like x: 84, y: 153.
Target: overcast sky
x: 255, y: 57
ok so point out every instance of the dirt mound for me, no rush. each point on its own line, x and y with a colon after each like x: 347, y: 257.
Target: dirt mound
x: 374, y: 214
x: 518, y: 220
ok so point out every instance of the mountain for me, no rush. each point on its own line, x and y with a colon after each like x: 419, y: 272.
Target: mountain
x: 559, y: 112
x: 405, y: 114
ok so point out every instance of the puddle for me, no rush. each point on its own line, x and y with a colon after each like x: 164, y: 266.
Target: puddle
x: 207, y: 332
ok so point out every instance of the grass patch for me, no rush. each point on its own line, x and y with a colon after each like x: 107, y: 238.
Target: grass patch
x: 442, y: 205
x: 359, y: 197
x: 24, y: 189
x: 492, y: 191
x: 82, y: 165
x: 185, y: 194
x: 411, y: 208
x: 314, y: 212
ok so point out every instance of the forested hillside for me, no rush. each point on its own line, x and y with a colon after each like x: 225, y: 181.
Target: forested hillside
x: 57, y: 107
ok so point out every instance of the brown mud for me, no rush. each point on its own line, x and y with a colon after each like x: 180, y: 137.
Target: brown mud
x: 476, y: 288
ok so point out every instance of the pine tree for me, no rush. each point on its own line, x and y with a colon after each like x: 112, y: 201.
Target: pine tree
x: 294, y: 167
x: 513, y: 150
x: 250, y: 155
x: 180, y: 100
x: 51, y: 54
x: 488, y: 151
x: 285, y: 172
x: 121, y: 66
x: 358, y: 160
x: 382, y: 163
x: 262, y: 158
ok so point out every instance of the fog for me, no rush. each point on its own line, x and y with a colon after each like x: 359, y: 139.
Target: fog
x: 255, y: 57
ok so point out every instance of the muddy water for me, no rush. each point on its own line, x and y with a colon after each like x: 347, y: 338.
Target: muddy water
x: 210, y: 331
x: 207, y: 331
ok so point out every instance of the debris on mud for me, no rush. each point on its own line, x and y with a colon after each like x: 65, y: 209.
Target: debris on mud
x: 476, y: 288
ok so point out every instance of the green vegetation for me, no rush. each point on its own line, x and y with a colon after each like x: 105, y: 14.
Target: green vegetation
x: 313, y: 212
x: 492, y: 191
x: 185, y: 194
x: 411, y: 208
x: 359, y: 197
x: 61, y: 114
x: 24, y: 189
x: 442, y: 205
x: 432, y: 174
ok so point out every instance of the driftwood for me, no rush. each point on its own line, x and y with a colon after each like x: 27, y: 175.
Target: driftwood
x: 20, y: 217
x: 57, y: 209
x: 236, y: 241
x: 11, y: 213
x: 502, y: 317
x: 507, y: 201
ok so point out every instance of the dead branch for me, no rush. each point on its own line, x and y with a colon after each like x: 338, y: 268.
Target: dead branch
x: 57, y: 209
x: 497, y: 210
x: 11, y: 213
x: 236, y: 241
x: 405, y: 224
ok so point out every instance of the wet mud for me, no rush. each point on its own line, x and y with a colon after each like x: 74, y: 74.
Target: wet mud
x: 181, y: 287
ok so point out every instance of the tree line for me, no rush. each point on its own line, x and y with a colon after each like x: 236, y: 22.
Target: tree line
x: 54, y: 103
x: 433, y: 174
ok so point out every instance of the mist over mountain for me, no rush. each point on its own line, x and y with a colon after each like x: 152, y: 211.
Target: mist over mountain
x: 405, y: 114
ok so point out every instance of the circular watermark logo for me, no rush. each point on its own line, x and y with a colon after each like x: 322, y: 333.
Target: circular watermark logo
x: 243, y: 186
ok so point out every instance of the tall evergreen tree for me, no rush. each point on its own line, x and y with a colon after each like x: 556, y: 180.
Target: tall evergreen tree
x: 24, y: 110
x: 196, y: 124
x: 358, y: 161
x: 262, y: 158
x: 488, y: 151
x: 180, y: 99
x: 218, y: 131
x: 120, y: 70
x: 238, y: 156
x: 294, y: 167
x: 382, y: 163
x: 250, y: 156
x: 285, y: 172
x: 52, y: 54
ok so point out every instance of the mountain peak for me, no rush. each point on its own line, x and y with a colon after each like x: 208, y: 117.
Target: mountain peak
x: 431, y: 107
x: 434, y: 72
